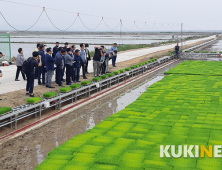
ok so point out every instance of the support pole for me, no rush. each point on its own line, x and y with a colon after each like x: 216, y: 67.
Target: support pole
x: 182, y: 37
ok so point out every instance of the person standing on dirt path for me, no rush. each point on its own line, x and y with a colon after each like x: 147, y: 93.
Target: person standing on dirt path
x: 109, y: 56
x: 83, y: 56
x: 55, y: 50
x: 19, y: 62
x: 49, y: 67
x: 32, y: 64
x: 0, y: 70
x: 36, y: 70
x: 177, y: 50
x: 114, y: 48
x: 96, y: 60
x: 42, y: 68
x: 88, y: 58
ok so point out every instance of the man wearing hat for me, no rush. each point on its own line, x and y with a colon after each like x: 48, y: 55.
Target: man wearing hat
x: 0, y: 70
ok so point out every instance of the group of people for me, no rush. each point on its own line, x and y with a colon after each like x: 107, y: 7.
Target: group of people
x: 45, y: 61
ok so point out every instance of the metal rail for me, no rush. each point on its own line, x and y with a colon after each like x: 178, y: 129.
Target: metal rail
x: 203, y: 45
x: 27, y: 110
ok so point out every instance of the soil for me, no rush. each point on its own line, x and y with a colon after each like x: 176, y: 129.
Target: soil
x: 17, y: 98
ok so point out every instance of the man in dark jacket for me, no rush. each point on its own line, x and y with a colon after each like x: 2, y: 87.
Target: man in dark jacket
x: 66, y: 46
x: 60, y: 67
x: 96, y: 60
x: 32, y: 64
x: 69, y: 58
x: 49, y: 67
x: 77, y: 65
x: 0, y: 70
x: 42, y: 69
x: 55, y: 50
x: 177, y: 49
x: 88, y: 58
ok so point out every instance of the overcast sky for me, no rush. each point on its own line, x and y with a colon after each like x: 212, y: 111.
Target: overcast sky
x: 195, y: 14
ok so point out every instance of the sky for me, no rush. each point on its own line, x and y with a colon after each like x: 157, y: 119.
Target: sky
x: 194, y: 14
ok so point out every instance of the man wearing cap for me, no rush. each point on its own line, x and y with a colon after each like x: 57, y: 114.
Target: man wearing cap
x: 55, y: 50
x: 69, y: 58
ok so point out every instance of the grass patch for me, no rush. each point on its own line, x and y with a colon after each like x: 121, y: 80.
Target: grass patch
x: 65, y: 89
x: 116, y: 72
x: 122, y: 71
x: 105, y: 76
x: 97, y: 79
x: 75, y: 86
x: 50, y: 94
x: 4, y: 110
x: 84, y: 83
x: 34, y: 100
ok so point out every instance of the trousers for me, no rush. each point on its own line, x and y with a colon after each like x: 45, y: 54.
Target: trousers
x: 68, y: 73
x: 19, y: 69
x: 96, y: 67
x: 41, y: 71
x: 48, y: 79
x: 30, y: 83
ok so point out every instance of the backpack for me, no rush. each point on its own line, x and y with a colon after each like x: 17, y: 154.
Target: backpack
x: 25, y: 66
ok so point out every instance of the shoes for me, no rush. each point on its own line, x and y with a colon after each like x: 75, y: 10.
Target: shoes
x: 61, y: 85
x: 78, y: 81
x: 27, y: 94
x: 31, y: 95
x: 39, y: 83
x: 0, y: 99
x: 63, y: 80
x: 114, y: 66
x: 86, y: 72
x: 69, y: 84
x: 43, y: 84
x: 51, y: 87
x: 84, y: 77
x: 17, y: 80
x: 74, y: 81
x: 46, y: 86
x: 24, y: 79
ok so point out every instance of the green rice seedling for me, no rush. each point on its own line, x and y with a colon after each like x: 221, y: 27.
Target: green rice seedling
x: 65, y: 89
x: 90, y: 149
x: 204, y: 51
x: 60, y: 157
x: 4, y: 110
x: 103, y: 167
x: 132, y: 67
x: 97, y: 79
x: 116, y: 72
x: 110, y: 74
x: 75, y: 86
x: 34, y: 100
x: 196, y: 51
x: 127, y: 69
x: 213, y: 52
x: 105, y: 76
x: 50, y: 94
x: 187, y: 51
x: 85, y: 83
x: 122, y: 71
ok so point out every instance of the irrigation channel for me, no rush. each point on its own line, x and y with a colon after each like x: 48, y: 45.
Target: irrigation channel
x: 28, y: 150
